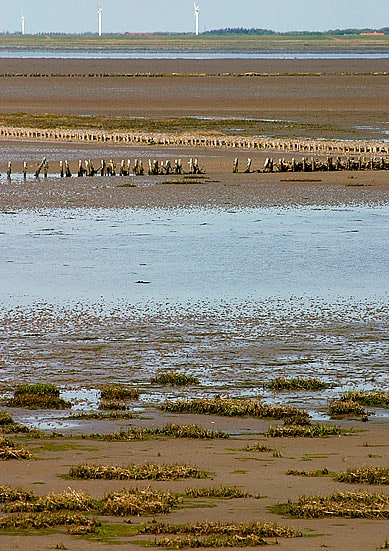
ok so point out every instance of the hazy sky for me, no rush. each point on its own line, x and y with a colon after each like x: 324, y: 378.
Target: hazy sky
x: 177, y: 15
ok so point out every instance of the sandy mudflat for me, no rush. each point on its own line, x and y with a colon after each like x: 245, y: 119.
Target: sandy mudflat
x: 338, y: 95
x: 343, y: 96
x: 260, y: 473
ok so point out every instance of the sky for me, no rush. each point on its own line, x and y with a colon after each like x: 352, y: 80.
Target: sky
x: 77, y: 16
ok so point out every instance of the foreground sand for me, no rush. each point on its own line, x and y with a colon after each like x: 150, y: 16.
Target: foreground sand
x: 229, y: 464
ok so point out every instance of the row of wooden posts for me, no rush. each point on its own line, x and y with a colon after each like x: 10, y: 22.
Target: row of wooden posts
x: 326, y: 147
x: 87, y: 168
x: 314, y: 165
x: 157, y: 167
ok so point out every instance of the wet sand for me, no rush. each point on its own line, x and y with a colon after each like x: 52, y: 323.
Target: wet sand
x: 46, y: 339
x: 319, y: 95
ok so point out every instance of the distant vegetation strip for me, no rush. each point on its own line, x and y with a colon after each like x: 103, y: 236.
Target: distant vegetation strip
x: 238, y: 39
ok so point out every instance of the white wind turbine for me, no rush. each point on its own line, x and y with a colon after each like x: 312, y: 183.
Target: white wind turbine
x: 100, y: 20
x: 23, y: 25
x: 196, y: 15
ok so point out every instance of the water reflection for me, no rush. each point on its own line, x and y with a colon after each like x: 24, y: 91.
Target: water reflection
x: 190, y: 254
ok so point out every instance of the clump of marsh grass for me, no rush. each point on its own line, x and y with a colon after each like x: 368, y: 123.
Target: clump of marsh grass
x: 132, y: 433
x: 296, y: 383
x: 338, y: 408
x: 372, y: 398
x: 70, y: 500
x: 211, y: 541
x: 260, y: 448
x: 137, y: 502
x: 308, y: 431
x: 227, y: 530
x: 146, y: 471
x: 346, y: 505
x: 117, y: 392
x: 309, y: 474
x: 170, y: 430
x: 365, y: 475
x: 189, y: 431
x: 225, y: 492
x: 102, y: 415
x: 175, y: 379
x: 8, y: 450
x: 235, y: 408
x: 37, y: 396
x: 9, y: 494
x: 5, y: 419
x: 112, y: 405
x: 77, y: 523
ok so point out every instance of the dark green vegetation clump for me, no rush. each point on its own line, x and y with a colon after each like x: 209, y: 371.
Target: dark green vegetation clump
x: 296, y: 383
x: 175, y: 379
x: 146, y: 471
x: 8, y: 426
x: 116, y: 392
x: 346, y: 505
x: 231, y: 407
x: 37, y: 396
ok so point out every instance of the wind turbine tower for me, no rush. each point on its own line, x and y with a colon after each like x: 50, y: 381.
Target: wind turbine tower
x: 23, y: 26
x: 100, y: 20
x: 196, y: 15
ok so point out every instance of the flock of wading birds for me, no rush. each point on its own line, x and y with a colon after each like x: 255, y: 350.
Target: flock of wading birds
x: 156, y: 167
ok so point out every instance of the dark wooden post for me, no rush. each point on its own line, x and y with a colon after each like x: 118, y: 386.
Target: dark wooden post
x: 38, y: 170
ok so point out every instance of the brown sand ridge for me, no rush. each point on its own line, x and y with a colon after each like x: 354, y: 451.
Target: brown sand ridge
x: 344, y: 99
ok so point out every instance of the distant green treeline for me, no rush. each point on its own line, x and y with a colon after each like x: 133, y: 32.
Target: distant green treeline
x: 336, y: 32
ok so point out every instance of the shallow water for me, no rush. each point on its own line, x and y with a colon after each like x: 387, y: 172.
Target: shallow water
x: 158, y: 54
x: 234, y: 297
x: 178, y: 255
